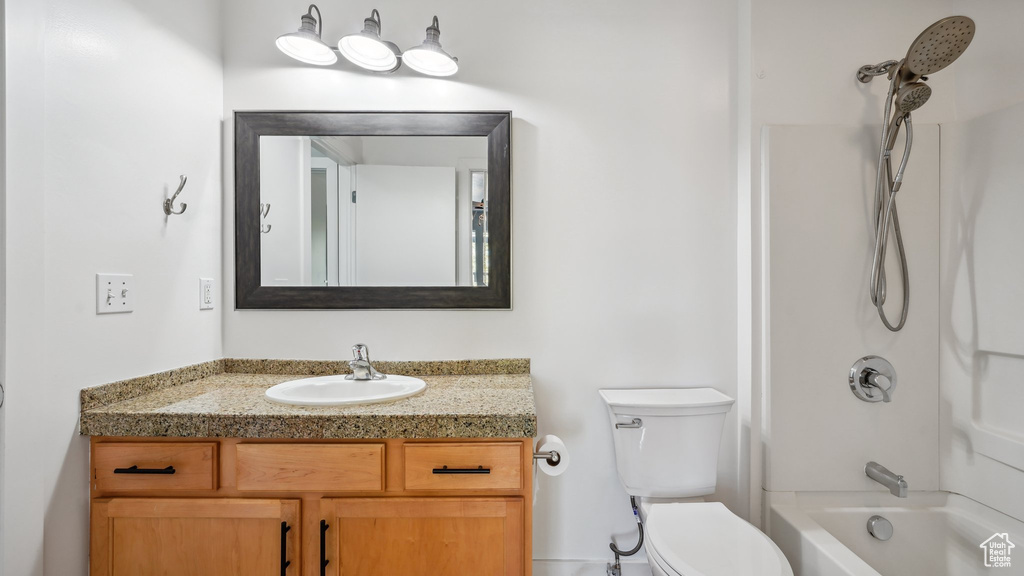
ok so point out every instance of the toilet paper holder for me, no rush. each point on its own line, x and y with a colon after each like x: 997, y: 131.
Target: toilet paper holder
x: 552, y: 456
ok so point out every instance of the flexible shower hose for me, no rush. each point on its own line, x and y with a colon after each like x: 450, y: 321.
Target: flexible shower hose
x: 886, y: 216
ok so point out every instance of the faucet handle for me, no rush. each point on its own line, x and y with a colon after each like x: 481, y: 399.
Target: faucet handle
x: 361, y: 352
x: 881, y: 382
x: 870, y: 374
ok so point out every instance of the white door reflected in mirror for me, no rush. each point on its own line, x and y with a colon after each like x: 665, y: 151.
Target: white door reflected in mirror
x: 374, y: 211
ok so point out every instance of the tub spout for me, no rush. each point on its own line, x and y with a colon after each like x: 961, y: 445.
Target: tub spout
x: 894, y: 482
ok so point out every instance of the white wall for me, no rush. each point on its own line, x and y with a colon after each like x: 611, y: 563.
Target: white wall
x: 23, y: 501
x: 802, y: 64
x: 981, y: 349
x: 108, y: 101
x: 624, y: 227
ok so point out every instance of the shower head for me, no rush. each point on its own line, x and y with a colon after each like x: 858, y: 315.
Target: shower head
x: 912, y: 96
x: 937, y: 47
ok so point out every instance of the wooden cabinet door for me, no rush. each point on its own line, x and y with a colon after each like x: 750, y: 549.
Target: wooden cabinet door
x: 194, y: 537
x: 424, y: 536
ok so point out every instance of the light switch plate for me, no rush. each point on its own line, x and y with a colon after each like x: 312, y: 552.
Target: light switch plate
x: 206, y: 298
x: 115, y: 293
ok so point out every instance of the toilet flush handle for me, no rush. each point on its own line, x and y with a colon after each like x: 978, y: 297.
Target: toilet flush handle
x: 636, y: 423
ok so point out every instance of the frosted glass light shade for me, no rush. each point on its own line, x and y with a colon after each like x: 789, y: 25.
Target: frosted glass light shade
x: 367, y: 50
x: 306, y: 44
x: 429, y: 58
x: 426, y: 60
x: 306, y: 48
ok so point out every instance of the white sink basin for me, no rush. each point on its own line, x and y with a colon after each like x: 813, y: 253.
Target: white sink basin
x: 337, y: 391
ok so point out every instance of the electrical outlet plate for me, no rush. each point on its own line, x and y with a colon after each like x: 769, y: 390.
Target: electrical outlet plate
x: 115, y: 293
x: 206, y: 294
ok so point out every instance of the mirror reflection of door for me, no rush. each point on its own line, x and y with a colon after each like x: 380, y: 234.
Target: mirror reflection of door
x: 374, y: 211
x: 478, y: 242
x: 405, y: 226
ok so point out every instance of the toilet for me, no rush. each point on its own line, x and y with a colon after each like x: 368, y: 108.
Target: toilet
x: 666, y: 451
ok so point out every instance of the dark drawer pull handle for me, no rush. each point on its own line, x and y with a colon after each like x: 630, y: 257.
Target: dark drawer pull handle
x: 323, y: 547
x: 137, y: 470
x: 447, y: 470
x: 285, y: 563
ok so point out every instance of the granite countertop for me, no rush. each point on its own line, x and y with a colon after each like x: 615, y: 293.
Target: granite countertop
x: 225, y: 398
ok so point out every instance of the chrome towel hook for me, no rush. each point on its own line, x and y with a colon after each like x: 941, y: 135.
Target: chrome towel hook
x: 168, y: 203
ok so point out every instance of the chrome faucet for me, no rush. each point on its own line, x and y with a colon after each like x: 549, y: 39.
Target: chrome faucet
x: 360, y: 365
x: 894, y: 482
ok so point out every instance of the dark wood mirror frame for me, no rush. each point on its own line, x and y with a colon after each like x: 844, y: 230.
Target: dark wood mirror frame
x: 249, y: 126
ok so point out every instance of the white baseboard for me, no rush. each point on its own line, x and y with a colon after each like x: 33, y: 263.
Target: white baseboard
x: 586, y: 568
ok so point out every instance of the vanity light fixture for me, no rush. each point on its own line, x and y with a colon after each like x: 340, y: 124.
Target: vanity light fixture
x: 429, y: 58
x: 306, y: 45
x: 367, y: 50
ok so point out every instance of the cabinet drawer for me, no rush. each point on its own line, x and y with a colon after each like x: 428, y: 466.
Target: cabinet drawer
x: 476, y: 466
x: 127, y: 466
x: 310, y: 467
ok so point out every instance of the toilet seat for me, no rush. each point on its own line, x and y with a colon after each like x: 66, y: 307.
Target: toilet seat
x: 706, y: 539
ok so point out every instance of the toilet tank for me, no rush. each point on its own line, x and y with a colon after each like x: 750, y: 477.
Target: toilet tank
x: 672, y: 452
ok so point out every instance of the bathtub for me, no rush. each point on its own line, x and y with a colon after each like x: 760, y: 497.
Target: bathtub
x: 934, y: 534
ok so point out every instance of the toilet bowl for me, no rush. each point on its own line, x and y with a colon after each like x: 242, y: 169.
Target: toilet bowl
x: 706, y: 539
x: 666, y: 452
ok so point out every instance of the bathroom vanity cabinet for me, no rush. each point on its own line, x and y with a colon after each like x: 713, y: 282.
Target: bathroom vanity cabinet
x: 192, y: 507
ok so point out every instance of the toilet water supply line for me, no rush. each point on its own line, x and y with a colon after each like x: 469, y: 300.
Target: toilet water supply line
x: 616, y: 569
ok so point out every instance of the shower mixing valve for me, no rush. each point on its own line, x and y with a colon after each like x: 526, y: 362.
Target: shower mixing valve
x: 873, y: 379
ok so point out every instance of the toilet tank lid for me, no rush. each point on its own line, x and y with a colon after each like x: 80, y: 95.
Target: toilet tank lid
x: 666, y: 398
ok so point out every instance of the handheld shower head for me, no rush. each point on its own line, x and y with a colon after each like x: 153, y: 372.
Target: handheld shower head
x: 934, y: 49
x: 912, y: 96
x: 937, y: 47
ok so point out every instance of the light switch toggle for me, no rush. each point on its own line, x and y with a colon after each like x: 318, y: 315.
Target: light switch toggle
x: 115, y: 293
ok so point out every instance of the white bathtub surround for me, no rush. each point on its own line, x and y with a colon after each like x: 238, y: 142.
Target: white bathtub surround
x: 805, y: 412
x: 934, y: 534
x: 981, y: 342
x: 957, y: 426
x: 819, y: 192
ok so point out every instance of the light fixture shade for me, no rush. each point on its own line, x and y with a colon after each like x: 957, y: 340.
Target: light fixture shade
x: 366, y: 49
x: 306, y: 45
x: 429, y: 58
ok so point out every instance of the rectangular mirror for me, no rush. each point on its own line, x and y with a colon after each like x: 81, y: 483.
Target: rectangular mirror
x: 372, y: 210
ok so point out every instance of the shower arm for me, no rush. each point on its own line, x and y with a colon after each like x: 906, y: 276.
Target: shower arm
x: 869, y: 71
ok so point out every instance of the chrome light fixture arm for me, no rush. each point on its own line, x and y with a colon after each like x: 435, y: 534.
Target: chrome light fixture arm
x: 319, y: 19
